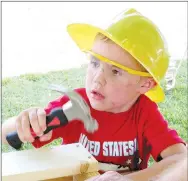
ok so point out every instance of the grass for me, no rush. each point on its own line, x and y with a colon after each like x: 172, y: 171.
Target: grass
x: 19, y: 93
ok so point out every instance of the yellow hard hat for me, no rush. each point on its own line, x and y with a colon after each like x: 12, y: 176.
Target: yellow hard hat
x: 137, y: 35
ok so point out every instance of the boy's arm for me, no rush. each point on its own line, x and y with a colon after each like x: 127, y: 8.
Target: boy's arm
x: 164, y: 142
x: 176, y: 172
x: 172, y: 156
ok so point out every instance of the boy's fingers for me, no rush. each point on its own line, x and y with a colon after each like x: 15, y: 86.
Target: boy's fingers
x: 19, y: 129
x: 46, y: 136
x: 34, y: 122
x: 41, y: 118
x: 26, y: 128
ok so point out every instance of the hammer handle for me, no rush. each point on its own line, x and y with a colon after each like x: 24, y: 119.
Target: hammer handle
x: 55, y: 119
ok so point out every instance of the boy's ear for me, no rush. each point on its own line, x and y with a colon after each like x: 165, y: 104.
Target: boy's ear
x: 146, y: 85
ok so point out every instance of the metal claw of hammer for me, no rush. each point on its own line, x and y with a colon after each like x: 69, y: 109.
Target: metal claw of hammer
x: 76, y: 108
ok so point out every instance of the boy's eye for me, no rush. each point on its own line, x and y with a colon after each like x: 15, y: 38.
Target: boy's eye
x: 95, y: 62
x: 116, y: 72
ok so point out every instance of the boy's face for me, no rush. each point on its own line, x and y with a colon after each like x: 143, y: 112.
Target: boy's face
x: 108, y: 87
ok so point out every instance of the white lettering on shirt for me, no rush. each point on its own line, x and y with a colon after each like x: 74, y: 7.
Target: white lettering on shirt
x: 109, y: 148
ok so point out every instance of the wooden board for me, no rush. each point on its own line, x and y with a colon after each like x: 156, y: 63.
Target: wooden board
x: 47, y: 163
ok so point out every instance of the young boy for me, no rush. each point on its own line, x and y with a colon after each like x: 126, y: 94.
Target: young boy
x: 126, y: 63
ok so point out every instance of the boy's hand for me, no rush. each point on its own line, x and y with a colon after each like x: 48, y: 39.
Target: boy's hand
x: 36, y: 117
x: 109, y: 176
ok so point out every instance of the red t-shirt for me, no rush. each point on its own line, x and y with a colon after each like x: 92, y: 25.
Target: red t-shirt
x: 124, y: 141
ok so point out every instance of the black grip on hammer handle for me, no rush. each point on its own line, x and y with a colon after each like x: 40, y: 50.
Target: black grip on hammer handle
x: 15, y: 142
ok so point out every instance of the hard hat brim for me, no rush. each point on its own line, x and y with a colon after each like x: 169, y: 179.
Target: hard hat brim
x: 84, y: 35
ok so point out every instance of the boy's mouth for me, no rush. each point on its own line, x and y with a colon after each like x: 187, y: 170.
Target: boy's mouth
x: 97, y: 95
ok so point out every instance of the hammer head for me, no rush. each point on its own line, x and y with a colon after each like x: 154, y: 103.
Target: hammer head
x: 79, y: 109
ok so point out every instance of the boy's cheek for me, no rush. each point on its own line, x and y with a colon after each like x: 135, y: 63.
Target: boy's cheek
x: 89, y: 78
x: 88, y: 85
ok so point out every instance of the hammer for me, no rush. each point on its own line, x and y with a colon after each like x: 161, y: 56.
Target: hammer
x: 75, y: 109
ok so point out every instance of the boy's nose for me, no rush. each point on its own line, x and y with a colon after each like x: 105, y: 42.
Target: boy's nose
x: 100, y: 77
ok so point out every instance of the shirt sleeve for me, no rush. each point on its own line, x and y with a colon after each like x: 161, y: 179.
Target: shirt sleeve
x: 64, y: 131
x: 157, y: 132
